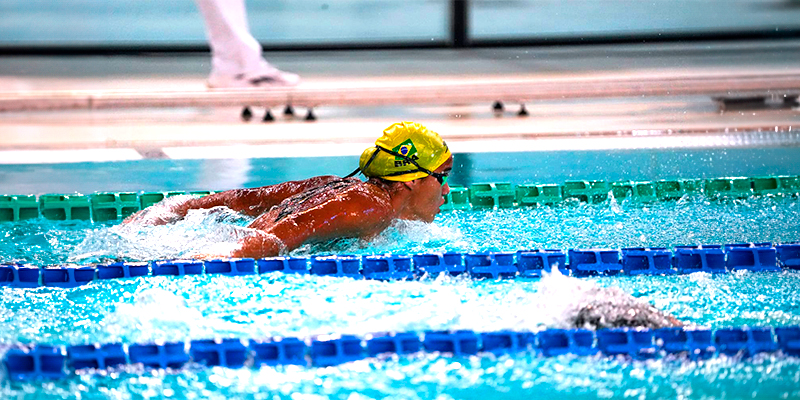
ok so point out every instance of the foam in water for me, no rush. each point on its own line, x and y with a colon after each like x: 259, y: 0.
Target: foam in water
x: 566, y: 302
x: 216, y: 230
x: 161, y: 212
x: 416, y: 236
x: 611, y: 224
x: 158, y: 314
x: 582, y: 304
x: 202, y: 307
x: 167, y: 308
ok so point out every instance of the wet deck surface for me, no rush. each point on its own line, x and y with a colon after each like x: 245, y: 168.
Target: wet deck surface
x: 200, y: 132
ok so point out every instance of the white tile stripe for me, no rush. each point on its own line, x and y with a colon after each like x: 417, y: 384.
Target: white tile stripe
x: 266, y: 151
x: 67, y: 156
x: 332, y: 149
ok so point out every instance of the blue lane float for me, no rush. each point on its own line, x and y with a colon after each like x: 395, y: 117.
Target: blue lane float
x: 38, y: 362
x: 19, y: 275
x: 713, y: 259
x: 647, y: 261
x: 279, y: 351
x: 232, y: 267
x: 96, y: 356
x: 393, y: 343
x: 732, y: 341
x: 697, y: 344
x: 637, y: 344
x: 231, y: 353
x: 504, y: 342
x: 67, y: 277
x: 438, y: 263
x: 177, y: 267
x: 58, y: 362
x: 159, y: 355
x: 122, y: 270
x: 288, y: 265
x: 789, y: 340
x: 533, y: 263
x: 458, y: 343
x: 491, y: 265
x: 339, y: 266
x: 789, y: 255
x: 691, y: 259
x: 755, y: 259
x: 387, y: 267
x: 336, y: 349
x: 556, y: 342
x: 594, y: 262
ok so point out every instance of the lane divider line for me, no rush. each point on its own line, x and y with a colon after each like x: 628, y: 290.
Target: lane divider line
x: 713, y: 259
x: 40, y: 362
x: 112, y: 206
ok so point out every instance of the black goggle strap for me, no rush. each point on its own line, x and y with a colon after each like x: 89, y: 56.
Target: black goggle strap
x: 398, y: 173
x: 358, y: 169
x: 410, y: 160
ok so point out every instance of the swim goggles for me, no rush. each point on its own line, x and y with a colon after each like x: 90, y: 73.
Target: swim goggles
x: 440, y: 177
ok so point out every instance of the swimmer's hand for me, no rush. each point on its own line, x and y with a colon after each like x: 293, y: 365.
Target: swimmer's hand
x: 167, y: 211
x: 148, y: 217
x: 260, y: 244
x: 674, y: 321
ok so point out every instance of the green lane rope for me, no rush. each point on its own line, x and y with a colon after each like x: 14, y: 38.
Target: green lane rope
x: 112, y: 206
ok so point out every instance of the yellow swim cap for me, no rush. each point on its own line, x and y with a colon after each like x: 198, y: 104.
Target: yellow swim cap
x: 410, y: 141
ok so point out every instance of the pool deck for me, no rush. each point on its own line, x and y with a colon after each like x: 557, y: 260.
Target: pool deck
x: 631, y: 121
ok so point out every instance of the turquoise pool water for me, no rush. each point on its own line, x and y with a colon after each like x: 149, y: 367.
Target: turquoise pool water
x: 689, y: 221
x: 754, y: 158
x: 199, y: 307
x: 174, y: 309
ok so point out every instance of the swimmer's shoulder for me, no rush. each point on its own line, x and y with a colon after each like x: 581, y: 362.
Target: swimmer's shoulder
x: 349, y: 189
x: 366, y: 188
x: 356, y: 193
x: 314, y: 181
x: 327, y: 180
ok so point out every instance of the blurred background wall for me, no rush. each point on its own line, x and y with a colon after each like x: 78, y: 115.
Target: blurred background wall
x: 160, y: 24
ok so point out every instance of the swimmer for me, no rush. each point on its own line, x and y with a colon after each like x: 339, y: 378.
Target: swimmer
x: 406, y: 172
x: 583, y: 304
x: 611, y: 307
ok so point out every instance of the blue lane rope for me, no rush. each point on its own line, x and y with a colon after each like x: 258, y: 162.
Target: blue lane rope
x: 756, y: 257
x: 58, y: 362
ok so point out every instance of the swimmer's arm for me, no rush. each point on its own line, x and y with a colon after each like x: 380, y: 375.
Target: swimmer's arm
x: 252, y: 202
x: 255, y: 201
x: 354, y: 215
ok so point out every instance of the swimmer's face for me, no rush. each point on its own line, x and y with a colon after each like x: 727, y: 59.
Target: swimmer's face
x: 429, y: 194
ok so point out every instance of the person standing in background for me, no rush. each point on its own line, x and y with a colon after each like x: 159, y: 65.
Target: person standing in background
x: 236, y: 56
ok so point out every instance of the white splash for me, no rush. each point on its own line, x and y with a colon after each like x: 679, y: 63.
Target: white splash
x: 417, y: 234
x: 577, y: 303
x: 157, y: 314
x: 560, y: 302
x: 215, y: 231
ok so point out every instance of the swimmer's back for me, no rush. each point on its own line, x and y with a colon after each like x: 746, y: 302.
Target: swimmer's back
x: 313, y: 196
x: 355, y: 208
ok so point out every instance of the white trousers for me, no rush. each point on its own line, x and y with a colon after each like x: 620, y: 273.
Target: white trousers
x: 233, y: 49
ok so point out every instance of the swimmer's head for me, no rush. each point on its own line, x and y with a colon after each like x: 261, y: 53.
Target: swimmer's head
x: 406, y: 151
